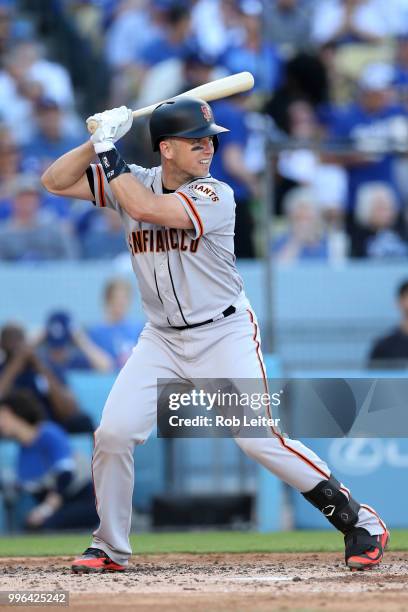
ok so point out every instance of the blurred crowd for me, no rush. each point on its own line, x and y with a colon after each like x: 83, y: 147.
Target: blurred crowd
x: 40, y: 361
x: 328, y: 116
x: 39, y: 409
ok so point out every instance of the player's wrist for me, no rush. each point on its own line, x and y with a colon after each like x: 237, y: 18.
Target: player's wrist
x: 112, y: 163
x: 102, y: 147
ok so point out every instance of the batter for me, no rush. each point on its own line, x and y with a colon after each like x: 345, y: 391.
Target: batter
x: 179, y: 225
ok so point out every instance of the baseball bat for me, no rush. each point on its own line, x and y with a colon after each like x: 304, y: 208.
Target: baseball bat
x: 214, y: 90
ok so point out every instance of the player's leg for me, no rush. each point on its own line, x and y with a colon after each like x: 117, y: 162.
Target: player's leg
x: 128, y: 418
x: 235, y: 353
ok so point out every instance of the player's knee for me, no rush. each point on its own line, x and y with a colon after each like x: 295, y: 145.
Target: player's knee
x: 112, y: 439
x: 250, y: 446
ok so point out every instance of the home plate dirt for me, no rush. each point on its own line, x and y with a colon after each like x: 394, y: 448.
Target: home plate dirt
x: 219, y: 583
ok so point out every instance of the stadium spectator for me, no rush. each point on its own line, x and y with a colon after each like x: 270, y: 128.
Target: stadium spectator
x: 30, y: 233
x: 401, y: 69
x: 349, y: 21
x: 16, y: 94
x: 376, y: 234
x: 304, y: 167
x: 297, y: 166
x: 46, y: 467
x: 229, y: 166
x: 391, y: 350
x: 101, y: 236
x: 288, y: 25
x: 216, y: 25
x: 51, y: 137
x: 255, y: 54
x: 22, y: 369
x: 305, y: 238
x: 374, y: 127
x: 330, y: 186
x: 131, y: 16
x: 10, y: 157
x: 174, y: 41
x: 396, y: 16
x: 65, y: 346
x: 52, y: 78
x: 168, y: 43
x: 24, y: 80
x: 119, y: 333
x: 198, y: 68
x: 304, y: 78
x: 5, y: 26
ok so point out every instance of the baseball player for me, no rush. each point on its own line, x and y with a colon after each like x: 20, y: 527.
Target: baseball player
x: 179, y: 225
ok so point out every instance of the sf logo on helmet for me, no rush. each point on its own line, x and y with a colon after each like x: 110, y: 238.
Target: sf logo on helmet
x: 206, y: 112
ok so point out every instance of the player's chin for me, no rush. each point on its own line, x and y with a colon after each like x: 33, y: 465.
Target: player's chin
x: 202, y: 170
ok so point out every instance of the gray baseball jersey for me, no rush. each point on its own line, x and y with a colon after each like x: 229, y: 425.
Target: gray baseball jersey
x: 184, y: 276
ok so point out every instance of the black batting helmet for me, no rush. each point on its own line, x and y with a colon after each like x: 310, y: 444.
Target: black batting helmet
x: 183, y: 116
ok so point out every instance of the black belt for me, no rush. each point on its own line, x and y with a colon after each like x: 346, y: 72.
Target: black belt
x: 227, y: 312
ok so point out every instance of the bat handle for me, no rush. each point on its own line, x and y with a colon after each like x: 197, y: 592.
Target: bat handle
x: 92, y: 125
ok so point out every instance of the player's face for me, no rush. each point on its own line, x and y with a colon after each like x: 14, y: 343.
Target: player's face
x: 192, y: 156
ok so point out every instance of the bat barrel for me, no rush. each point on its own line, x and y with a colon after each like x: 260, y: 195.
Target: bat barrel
x: 214, y: 90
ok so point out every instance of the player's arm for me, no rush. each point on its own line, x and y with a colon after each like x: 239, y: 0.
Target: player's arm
x: 139, y: 202
x: 143, y: 205
x: 67, y: 175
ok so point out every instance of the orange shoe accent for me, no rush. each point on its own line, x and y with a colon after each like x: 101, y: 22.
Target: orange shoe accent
x: 372, y: 557
x: 95, y: 560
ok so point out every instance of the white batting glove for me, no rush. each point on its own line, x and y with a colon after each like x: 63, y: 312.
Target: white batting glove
x: 112, y: 125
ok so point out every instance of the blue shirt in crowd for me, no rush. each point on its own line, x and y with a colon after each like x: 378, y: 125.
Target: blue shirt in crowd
x: 48, y: 454
x: 316, y: 251
x: 359, y: 128
x: 265, y: 65
x: 232, y: 117
x: 117, y: 339
x: 161, y: 49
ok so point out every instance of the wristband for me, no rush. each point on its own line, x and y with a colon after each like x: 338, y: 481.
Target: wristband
x: 112, y: 163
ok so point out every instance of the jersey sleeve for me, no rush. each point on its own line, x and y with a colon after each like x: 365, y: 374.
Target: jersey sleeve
x: 210, y: 206
x: 103, y: 196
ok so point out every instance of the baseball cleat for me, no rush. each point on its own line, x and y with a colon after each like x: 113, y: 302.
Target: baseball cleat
x: 364, y: 551
x: 95, y: 560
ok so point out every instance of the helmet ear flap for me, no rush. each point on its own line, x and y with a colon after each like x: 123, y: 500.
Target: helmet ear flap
x: 215, y: 142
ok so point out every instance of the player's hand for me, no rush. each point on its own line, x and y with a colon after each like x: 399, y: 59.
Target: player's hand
x: 43, y: 511
x: 112, y: 125
x: 38, y: 515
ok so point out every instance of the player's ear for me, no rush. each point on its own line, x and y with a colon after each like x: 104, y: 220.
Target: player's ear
x: 166, y: 149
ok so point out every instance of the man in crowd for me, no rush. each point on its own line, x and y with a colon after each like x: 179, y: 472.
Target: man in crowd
x: 23, y: 369
x: 391, y: 350
x: 32, y: 234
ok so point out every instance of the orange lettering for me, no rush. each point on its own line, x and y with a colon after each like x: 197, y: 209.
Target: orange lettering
x: 159, y: 242
x: 137, y: 241
x: 194, y: 245
x: 173, y: 238
x: 145, y: 234
x: 166, y: 237
x: 182, y: 245
x: 130, y: 244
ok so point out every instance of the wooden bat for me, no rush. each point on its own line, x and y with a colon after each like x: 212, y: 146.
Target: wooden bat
x: 214, y: 90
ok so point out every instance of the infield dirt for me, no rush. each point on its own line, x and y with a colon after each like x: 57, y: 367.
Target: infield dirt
x: 219, y: 583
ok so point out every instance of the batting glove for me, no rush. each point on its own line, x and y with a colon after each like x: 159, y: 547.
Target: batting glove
x: 112, y: 125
